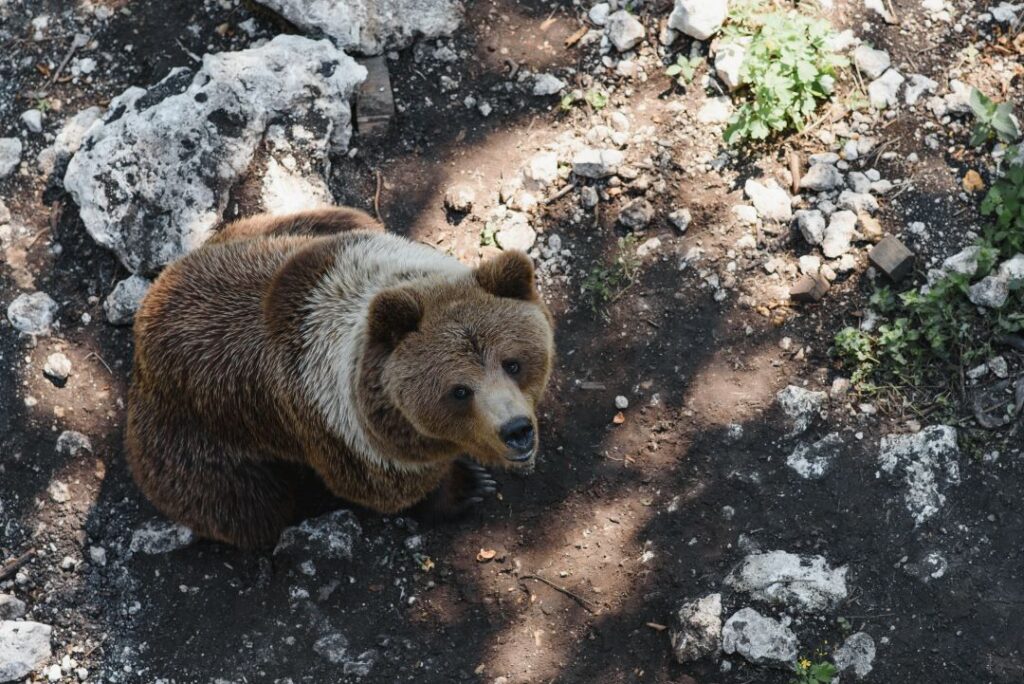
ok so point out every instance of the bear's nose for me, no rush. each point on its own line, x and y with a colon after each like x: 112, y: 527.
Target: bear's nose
x: 517, y: 434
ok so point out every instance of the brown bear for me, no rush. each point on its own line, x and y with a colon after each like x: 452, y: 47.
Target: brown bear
x: 318, y: 340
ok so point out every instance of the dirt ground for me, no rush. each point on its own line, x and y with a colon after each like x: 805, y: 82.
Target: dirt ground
x: 620, y: 523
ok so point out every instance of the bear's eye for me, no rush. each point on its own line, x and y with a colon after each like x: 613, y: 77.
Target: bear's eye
x: 461, y: 392
x: 511, y: 367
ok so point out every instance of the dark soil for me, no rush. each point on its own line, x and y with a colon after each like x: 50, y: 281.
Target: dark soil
x: 629, y: 520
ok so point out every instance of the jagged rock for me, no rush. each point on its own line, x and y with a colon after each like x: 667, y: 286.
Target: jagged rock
x: 33, y: 313
x: 547, y: 84
x: 857, y: 202
x: 842, y: 226
x: 964, y: 262
x: 927, y: 462
x: 597, y: 163
x: 371, y: 26
x: 24, y: 648
x: 10, y: 156
x: 990, y: 292
x: 624, y: 30
x: 459, y: 198
x: 918, y: 86
x: 812, y: 461
x: 811, y: 224
x: 820, y: 177
x: 57, y: 368
x: 857, y: 654
x: 33, y: 120
x: 761, y: 640
x: 161, y: 536
x: 698, y: 19
x: 1013, y: 270
x: 681, y: 219
x: 770, y: 199
x: 71, y: 443
x: 152, y: 179
x: 729, y: 60
x: 515, y: 232
x: 11, y: 608
x: 330, y: 537
x: 884, y: 90
x: 698, y: 631
x: 124, y: 300
x: 801, y: 406
x: 68, y: 140
x: 636, y: 214
x: 805, y: 583
x: 872, y: 62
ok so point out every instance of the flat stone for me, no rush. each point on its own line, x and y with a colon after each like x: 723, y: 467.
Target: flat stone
x: 870, y: 61
x: 892, y: 258
x: 856, y: 655
x: 371, y: 27
x: 161, y: 536
x: 761, y: 640
x: 331, y: 537
x: 801, y: 582
x: 842, y: 226
x: 928, y: 463
x: 547, y: 84
x: 884, y: 90
x: 715, y: 110
x: 375, y: 101
x: 857, y: 202
x: 698, y: 630
x: 24, y: 649
x: 809, y: 288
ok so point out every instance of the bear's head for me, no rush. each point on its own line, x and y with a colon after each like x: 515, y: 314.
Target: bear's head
x: 465, y: 362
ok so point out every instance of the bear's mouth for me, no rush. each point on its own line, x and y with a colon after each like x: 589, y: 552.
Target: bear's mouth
x: 517, y: 457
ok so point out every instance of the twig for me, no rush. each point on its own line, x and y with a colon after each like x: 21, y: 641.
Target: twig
x: 561, y: 193
x: 579, y: 599
x: 376, y: 196
x: 11, y: 566
x: 188, y: 52
x: 78, y: 41
x: 91, y: 354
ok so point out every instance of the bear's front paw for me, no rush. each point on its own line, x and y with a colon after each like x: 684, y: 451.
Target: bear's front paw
x: 466, y: 486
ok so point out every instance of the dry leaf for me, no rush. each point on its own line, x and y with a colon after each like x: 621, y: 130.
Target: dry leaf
x: 619, y: 418
x: 486, y: 555
x: 973, y: 181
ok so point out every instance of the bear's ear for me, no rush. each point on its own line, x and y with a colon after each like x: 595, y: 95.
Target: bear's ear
x: 394, y: 314
x: 510, y: 274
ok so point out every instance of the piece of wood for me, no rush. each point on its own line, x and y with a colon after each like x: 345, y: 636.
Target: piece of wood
x: 892, y: 258
x: 809, y: 289
x: 375, y: 103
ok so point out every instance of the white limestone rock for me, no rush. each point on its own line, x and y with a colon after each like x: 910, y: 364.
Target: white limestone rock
x: 10, y: 156
x: 870, y: 61
x: 770, y: 199
x: 124, y: 300
x: 884, y: 90
x: 624, y: 30
x: 928, y: 462
x: 759, y: 639
x: 24, y: 648
x: 32, y: 313
x: 804, y: 583
x: 698, y: 630
x: 698, y: 19
x: 856, y: 655
x: 801, y: 406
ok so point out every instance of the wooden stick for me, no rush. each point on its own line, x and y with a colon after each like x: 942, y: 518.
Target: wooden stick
x: 376, y: 196
x: 11, y: 566
x: 579, y: 599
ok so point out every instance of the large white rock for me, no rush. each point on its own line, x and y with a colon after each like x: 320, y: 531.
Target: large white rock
x: 806, y: 583
x: 698, y: 631
x: 514, y: 232
x: 770, y: 199
x: 990, y: 292
x: 842, y: 226
x: 927, y: 462
x: 330, y: 537
x: 597, y: 163
x: 729, y: 61
x: 10, y: 156
x: 699, y: 19
x: 821, y: 176
x: 24, y: 648
x: 964, y: 262
x: 759, y: 639
x: 802, y: 406
x: 153, y: 179
x: 811, y: 224
x: 371, y: 26
x: 33, y: 313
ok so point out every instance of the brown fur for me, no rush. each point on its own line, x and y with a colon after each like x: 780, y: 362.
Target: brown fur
x: 220, y: 416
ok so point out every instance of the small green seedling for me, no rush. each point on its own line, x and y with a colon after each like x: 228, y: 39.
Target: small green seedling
x: 993, y: 120
x: 598, y: 99
x: 1005, y: 203
x: 684, y: 69
x: 814, y: 673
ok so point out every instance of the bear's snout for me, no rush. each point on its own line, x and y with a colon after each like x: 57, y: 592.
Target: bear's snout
x: 518, y: 435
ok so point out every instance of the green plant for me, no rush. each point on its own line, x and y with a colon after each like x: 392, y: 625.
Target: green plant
x: 814, y: 673
x: 598, y: 99
x: 1005, y: 202
x: 993, y: 120
x: 787, y: 71
x: 605, y: 283
x: 684, y: 69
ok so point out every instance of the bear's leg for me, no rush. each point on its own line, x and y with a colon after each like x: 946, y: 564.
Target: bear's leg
x: 220, y: 492
x: 464, y: 488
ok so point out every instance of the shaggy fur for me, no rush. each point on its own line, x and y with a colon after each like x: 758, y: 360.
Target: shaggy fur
x: 316, y: 340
